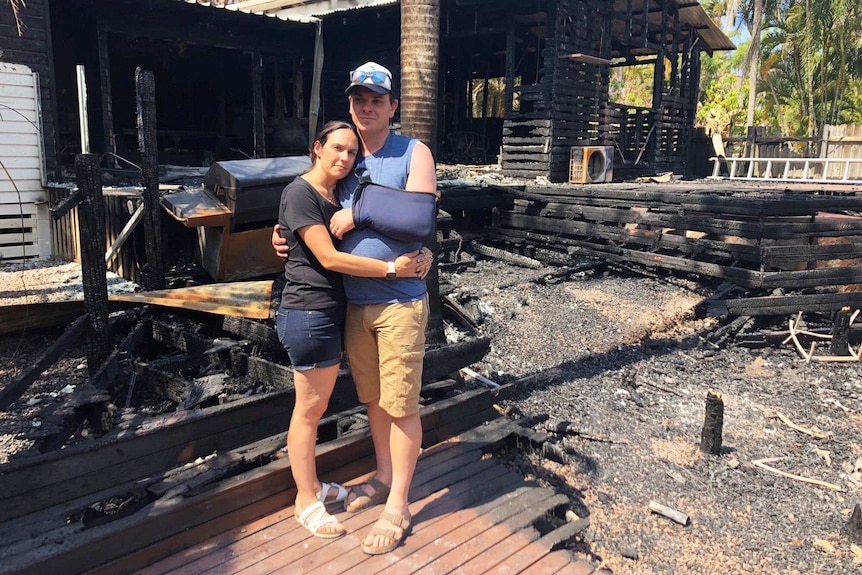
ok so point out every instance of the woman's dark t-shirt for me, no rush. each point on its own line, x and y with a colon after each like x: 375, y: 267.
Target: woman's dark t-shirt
x: 309, y: 286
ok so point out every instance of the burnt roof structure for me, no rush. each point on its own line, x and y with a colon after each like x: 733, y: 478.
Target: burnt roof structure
x: 520, y: 82
x: 555, y: 59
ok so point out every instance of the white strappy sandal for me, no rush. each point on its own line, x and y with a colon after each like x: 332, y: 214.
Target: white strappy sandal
x: 315, y: 517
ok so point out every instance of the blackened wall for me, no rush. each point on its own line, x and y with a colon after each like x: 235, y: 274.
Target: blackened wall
x: 33, y: 48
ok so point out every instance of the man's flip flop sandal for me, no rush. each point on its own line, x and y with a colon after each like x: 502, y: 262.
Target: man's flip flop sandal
x: 400, y: 528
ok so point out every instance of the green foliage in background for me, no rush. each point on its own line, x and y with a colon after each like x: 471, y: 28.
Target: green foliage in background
x: 808, y: 66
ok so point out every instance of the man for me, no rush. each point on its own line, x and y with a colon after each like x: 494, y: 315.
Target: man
x: 386, y: 318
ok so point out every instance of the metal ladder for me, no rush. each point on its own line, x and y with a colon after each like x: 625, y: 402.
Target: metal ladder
x: 814, y: 170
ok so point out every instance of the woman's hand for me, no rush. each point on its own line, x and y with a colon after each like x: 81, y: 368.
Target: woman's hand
x: 415, y: 264
x: 341, y: 223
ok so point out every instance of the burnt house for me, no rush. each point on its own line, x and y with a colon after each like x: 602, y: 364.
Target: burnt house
x: 520, y: 82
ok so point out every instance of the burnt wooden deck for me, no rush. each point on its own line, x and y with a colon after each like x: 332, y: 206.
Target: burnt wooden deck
x: 471, y: 515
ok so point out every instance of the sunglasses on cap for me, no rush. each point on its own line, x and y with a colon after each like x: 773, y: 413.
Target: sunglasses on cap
x: 361, y: 75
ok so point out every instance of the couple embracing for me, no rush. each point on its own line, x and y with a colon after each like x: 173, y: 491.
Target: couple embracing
x: 372, y: 290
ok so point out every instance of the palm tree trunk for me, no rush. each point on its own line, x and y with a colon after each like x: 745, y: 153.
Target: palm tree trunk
x: 420, y: 40
x: 754, y: 60
x: 809, y: 69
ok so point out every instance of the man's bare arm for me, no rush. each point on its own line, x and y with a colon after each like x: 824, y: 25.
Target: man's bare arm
x: 423, y: 172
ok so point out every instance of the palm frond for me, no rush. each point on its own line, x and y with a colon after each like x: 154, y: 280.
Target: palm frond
x: 16, y: 11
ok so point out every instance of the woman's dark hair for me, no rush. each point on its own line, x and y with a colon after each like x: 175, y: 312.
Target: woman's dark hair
x: 325, y: 130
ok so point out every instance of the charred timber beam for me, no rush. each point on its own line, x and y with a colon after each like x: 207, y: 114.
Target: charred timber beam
x: 815, y: 278
x: 145, y: 92
x: 186, y: 481
x: 505, y: 256
x: 472, y: 198
x: 123, y: 455
x: 447, y: 359
x: 274, y: 375
x: 711, y: 222
x: 91, y: 228
x: 66, y: 205
x: 550, y: 255
x: 548, y: 275
x: 694, y: 199
x: 720, y: 336
x: 786, y: 256
x: 786, y: 304
x: 255, y: 331
x: 179, y: 337
x: 649, y: 239
x: 166, y: 385
x: 612, y: 253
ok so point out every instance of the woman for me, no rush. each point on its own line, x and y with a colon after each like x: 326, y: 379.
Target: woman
x: 311, y: 314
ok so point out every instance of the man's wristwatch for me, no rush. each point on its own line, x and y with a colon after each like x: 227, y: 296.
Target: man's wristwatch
x: 390, y: 272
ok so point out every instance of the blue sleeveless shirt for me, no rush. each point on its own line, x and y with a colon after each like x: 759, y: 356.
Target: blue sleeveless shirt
x: 388, y: 166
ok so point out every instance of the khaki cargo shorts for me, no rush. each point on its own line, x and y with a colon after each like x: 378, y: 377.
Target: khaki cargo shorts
x: 385, y: 346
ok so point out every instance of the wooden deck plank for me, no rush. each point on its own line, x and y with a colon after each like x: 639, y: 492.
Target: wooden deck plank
x: 172, y: 526
x: 518, y: 562
x: 447, y: 553
x: 471, y: 515
x: 440, y: 497
x: 459, y: 452
x: 437, y: 536
x: 435, y: 506
x: 550, y: 563
x: 213, y: 545
x: 231, y: 543
x: 425, y: 497
x: 578, y: 567
x: 525, y: 510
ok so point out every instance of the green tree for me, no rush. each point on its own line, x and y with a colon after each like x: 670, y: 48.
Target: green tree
x: 802, y: 61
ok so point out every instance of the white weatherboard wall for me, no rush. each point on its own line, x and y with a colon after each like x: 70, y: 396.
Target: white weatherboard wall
x: 24, y: 227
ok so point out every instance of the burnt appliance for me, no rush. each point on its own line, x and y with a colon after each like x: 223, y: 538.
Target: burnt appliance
x: 591, y: 164
x: 234, y: 213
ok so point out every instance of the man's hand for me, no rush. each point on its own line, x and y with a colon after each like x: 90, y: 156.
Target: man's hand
x: 414, y: 264
x: 279, y: 244
x: 341, y: 223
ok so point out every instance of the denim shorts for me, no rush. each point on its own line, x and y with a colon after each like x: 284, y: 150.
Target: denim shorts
x: 312, y: 338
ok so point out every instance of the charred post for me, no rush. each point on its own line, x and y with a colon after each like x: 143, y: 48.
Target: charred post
x: 854, y: 525
x: 91, y: 228
x: 840, y: 345
x: 710, y: 435
x: 145, y: 88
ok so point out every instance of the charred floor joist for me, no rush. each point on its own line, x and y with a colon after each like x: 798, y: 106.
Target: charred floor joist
x: 757, y: 237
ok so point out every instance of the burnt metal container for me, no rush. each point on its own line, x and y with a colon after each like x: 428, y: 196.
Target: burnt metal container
x: 251, y: 189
